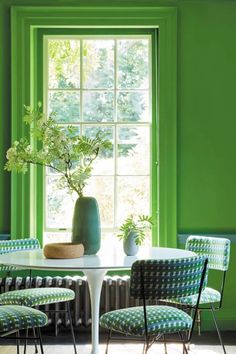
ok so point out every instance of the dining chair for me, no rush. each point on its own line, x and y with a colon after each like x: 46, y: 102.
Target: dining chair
x: 154, y: 280
x: 34, y: 296
x: 217, y: 250
x: 13, y: 319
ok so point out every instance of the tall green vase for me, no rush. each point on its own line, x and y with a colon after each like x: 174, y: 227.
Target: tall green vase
x: 86, y: 227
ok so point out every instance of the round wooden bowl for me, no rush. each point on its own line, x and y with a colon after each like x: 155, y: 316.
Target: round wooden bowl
x: 63, y: 250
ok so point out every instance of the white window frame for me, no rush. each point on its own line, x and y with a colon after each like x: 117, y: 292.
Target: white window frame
x: 113, y: 123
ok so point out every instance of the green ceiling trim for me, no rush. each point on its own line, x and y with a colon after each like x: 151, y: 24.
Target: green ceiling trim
x: 25, y: 22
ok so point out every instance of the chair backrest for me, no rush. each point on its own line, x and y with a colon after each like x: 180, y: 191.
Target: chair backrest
x: 216, y: 249
x: 166, y: 279
x: 8, y: 246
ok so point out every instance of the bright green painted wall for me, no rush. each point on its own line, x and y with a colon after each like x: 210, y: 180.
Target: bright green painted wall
x: 206, y: 143
x: 206, y: 106
x: 206, y: 117
x: 4, y: 121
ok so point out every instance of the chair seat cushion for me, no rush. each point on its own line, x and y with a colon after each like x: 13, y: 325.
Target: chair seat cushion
x: 161, y: 319
x: 13, y: 317
x: 36, y: 296
x: 208, y: 296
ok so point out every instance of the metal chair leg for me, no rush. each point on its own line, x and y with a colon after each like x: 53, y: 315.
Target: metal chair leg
x: 35, y: 341
x: 146, y: 345
x: 40, y: 340
x: 146, y: 348
x: 165, y: 345
x: 185, y: 349
x: 217, y: 328
x: 108, y: 340
x: 26, y: 340
x: 71, y: 325
x: 18, y: 342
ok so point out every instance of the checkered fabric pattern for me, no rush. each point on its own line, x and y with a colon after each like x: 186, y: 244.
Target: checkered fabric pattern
x: 20, y: 317
x: 158, y: 279
x: 216, y: 249
x: 165, y: 279
x: 9, y: 246
x: 36, y: 296
x: 208, y: 296
x: 161, y: 319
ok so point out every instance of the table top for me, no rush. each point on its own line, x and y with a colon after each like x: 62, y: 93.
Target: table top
x: 110, y: 260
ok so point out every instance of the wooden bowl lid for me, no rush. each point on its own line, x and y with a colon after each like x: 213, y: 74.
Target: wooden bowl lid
x: 63, y: 250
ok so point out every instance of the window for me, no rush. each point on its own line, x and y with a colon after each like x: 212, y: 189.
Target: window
x: 101, y: 83
x: 29, y: 24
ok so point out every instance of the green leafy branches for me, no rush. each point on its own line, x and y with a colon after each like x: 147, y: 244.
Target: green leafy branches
x: 137, y: 226
x: 59, y: 148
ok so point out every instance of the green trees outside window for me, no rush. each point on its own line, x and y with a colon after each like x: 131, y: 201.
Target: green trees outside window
x: 102, y: 83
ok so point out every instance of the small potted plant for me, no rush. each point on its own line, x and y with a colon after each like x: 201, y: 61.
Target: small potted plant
x: 133, y: 232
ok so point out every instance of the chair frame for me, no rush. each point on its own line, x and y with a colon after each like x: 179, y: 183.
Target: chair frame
x: 8, y: 273
x: 26, y: 338
x: 215, y: 308
x: 149, y: 340
x: 68, y: 311
x: 183, y: 340
x: 211, y: 306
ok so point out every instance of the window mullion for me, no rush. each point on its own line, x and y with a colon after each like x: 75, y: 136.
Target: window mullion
x: 115, y: 135
x: 81, y: 85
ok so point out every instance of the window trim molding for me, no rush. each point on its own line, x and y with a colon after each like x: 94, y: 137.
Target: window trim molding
x: 25, y: 21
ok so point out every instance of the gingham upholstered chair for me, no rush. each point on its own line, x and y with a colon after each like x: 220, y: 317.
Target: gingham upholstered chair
x: 218, y: 252
x: 15, y: 318
x: 153, y: 280
x: 34, y: 296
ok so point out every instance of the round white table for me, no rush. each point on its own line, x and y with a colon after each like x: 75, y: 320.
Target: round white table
x: 94, y: 267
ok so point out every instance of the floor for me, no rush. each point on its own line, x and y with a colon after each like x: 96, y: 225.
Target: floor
x: 206, y: 344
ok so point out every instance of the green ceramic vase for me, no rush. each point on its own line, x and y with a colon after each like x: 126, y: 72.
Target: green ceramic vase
x: 86, y: 227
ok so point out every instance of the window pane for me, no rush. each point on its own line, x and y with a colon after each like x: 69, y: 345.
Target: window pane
x: 132, y: 106
x: 98, y: 64
x: 132, y: 197
x: 104, y: 163
x: 110, y: 95
x: 60, y: 205
x: 66, y: 106
x: 51, y: 237
x: 102, y: 188
x: 132, y: 58
x: 75, y: 132
x: 133, y: 150
x: 98, y: 106
x: 64, y: 63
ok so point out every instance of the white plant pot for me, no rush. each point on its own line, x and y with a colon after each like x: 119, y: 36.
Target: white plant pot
x: 129, y: 245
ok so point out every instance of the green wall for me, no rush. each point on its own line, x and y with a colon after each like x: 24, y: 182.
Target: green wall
x: 206, y: 141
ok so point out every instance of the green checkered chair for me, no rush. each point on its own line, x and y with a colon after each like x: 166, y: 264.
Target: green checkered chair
x: 218, y: 252
x: 34, y: 296
x: 154, y: 280
x: 15, y: 318
x: 8, y: 246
